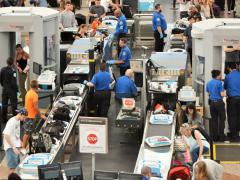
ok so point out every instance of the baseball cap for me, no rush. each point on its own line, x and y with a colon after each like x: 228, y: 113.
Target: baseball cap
x: 22, y: 111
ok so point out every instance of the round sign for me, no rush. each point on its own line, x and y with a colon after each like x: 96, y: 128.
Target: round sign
x: 92, y: 138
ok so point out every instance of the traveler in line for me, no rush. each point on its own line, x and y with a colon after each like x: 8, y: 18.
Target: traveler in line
x: 8, y: 80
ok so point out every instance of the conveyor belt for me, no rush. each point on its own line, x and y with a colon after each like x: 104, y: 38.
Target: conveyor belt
x: 59, y: 153
x: 156, y: 130
x: 164, y: 154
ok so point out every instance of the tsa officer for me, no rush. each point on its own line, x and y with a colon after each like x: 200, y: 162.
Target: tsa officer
x: 124, y: 57
x: 125, y: 86
x: 8, y: 80
x: 121, y: 28
x: 101, y: 82
x: 232, y: 85
x: 217, y: 106
x: 159, y: 26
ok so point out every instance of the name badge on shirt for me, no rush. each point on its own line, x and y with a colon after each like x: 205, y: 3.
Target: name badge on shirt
x: 158, y: 19
x: 124, y: 53
x: 14, y: 74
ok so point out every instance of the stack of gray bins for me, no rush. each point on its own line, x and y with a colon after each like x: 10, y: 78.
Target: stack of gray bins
x: 176, y: 41
x: 143, y: 29
x: 176, y: 38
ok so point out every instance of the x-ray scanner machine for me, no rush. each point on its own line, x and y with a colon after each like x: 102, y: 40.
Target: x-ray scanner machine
x: 42, y: 26
x: 208, y: 39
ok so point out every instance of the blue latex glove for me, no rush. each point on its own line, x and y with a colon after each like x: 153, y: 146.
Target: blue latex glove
x: 161, y: 35
x: 111, y: 62
x: 85, y: 82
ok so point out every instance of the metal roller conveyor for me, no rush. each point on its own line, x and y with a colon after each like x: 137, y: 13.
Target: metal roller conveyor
x: 58, y: 154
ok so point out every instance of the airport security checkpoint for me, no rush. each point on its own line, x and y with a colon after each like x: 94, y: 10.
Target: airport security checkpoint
x: 119, y: 89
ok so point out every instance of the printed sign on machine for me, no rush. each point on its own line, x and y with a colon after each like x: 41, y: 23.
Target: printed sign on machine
x: 93, y: 135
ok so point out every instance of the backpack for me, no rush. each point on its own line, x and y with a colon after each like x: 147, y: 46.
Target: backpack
x: 62, y: 113
x: 181, y: 172
x: 41, y: 143
x: 54, y: 128
x: 203, y: 132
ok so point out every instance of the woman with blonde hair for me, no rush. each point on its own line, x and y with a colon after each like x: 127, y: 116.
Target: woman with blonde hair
x: 207, y: 169
x: 195, y: 142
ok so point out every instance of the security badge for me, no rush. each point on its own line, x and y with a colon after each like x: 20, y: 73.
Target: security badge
x: 124, y: 53
x: 158, y: 19
x: 14, y: 74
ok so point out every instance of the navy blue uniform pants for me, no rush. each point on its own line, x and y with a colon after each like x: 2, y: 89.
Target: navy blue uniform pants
x: 233, y: 109
x: 159, y: 42
x: 217, y: 123
x: 102, y: 99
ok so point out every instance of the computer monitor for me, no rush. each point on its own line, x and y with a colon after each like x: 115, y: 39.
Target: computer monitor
x: 129, y: 176
x: 72, y: 170
x: 105, y: 175
x: 49, y: 172
x: 37, y: 68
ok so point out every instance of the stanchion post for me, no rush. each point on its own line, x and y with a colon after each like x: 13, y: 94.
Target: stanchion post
x: 93, y: 165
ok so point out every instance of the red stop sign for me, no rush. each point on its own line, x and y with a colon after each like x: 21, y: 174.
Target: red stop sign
x: 92, y: 138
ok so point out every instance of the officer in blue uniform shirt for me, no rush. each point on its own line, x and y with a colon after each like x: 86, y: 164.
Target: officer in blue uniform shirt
x: 159, y: 26
x: 121, y: 28
x: 232, y: 85
x: 217, y: 106
x: 124, y: 57
x: 101, y: 82
x: 125, y: 86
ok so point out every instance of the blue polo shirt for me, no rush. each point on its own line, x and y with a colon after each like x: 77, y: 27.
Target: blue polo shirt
x: 121, y: 25
x: 159, y: 20
x: 125, y: 55
x: 125, y: 87
x: 214, y: 88
x: 101, y: 81
x: 232, y: 83
x: 144, y: 178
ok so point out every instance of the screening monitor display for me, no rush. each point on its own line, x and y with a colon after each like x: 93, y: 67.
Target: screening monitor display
x: 145, y: 5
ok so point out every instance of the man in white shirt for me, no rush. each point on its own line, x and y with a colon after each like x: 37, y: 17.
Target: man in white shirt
x: 11, y: 139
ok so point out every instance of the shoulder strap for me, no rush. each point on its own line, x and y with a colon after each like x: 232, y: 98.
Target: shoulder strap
x: 193, y: 135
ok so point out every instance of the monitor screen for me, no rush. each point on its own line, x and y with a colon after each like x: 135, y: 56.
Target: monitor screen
x: 37, y: 68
